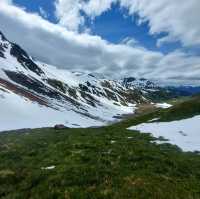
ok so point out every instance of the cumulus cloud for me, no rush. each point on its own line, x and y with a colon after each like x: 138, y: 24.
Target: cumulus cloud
x: 95, y: 8
x: 68, y: 13
x: 178, y: 18
x: 129, y: 41
x: 7, y: 1
x: 43, y: 13
x: 70, y: 50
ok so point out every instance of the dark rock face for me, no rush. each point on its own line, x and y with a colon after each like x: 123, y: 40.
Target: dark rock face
x: 32, y: 84
x: 84, y: 88
x: 57, y: 85
x: 21, y: 56
x: 127, y: 81
x: 2, y: 46
x: 2, y: 36
x: 34, y: 97
x: 1, y: 52
x: 60, y: 127
x: 24, y: 59
x: 38, y: 87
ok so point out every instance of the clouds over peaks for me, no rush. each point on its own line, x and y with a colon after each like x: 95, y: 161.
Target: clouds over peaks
x: 58, y: 45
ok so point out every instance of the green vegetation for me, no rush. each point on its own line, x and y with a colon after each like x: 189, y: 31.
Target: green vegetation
x: 57, y: 84
x: 188, y: 108
x: 108, y: 162
x: 182, y: 108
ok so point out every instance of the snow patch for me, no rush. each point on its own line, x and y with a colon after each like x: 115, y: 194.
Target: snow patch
x: 153, y: 120
x: 18, y: 113
x: 183, y: 133
x: 49, y: 168
x: 163, y: 105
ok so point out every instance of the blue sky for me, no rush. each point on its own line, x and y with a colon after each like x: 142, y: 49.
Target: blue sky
x: 116, y: 25
x: 35, y: 5
x: 113, y: 25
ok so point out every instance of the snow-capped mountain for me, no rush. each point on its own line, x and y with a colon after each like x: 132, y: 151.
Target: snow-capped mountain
x: 133, y: 83
x: 35, y: 94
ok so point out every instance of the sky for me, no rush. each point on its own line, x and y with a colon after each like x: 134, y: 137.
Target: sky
x: 153, y: 39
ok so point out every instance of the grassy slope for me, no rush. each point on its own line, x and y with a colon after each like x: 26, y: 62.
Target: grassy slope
x: 182, y: 109
x: 89, y: 165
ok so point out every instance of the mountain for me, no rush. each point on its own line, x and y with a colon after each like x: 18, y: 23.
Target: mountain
x: 116, y: 161
x: 153, y: 92
x: 132, y: 82
x: 186, y: 90
x: 35, y: 94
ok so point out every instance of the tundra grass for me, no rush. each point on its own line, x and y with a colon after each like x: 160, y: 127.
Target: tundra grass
x: 94, y: 163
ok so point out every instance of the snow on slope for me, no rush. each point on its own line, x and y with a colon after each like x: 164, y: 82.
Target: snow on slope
x: 183, y: 133
x: 107, y: 108
x: 34, y: 94
x: 64, y: 96
x: 18, y: 112
x: 163, y: 105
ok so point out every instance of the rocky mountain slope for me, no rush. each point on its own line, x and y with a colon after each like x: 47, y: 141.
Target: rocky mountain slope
x: 34, y: 94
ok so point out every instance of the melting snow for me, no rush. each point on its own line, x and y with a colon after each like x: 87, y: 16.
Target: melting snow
x: 153, y: 120
x: 163, y: 105
x: 183, y: 133
x: 49, y: 168
x: 18, y: 112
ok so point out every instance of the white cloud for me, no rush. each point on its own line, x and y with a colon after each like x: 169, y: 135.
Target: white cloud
x: 43, y: 13
x: 178, y: 18
x: 7, y: 1
x: 129, y: 41
x: 95, y: 8
x: 68, y: 13
x: 55, y: 45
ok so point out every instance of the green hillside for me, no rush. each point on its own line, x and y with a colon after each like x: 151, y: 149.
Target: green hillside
x: 182, y: 109
x: 94, y: 163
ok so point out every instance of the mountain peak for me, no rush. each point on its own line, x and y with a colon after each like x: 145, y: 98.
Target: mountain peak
x: 132, y: 82
x: 88, y: 99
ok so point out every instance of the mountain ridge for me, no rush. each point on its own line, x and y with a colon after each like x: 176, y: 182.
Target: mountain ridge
x: 91, y: 98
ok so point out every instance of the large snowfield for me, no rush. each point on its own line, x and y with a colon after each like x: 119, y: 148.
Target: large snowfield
x: 18, y: 113
x: 183, y: 133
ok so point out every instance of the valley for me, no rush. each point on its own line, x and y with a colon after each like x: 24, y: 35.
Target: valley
x: 99, y: 99
x: 113, y: 145
x: 30, y: 88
